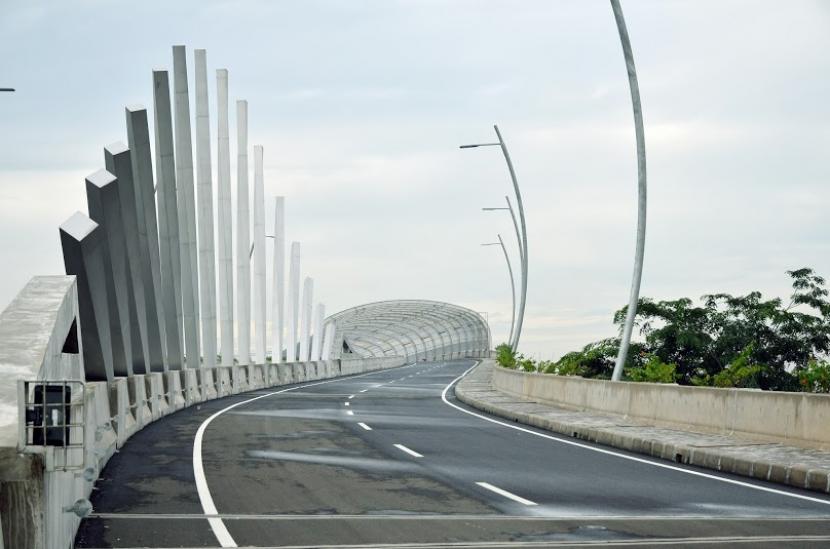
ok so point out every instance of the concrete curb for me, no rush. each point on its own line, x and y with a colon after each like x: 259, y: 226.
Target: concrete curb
x: 476, y: 390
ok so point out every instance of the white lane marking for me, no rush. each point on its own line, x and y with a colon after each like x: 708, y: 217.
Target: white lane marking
x: 364, y: 390
x: 347, y: 404
x: 412, y: 453
x: 485, y: 518
x: 365, y: 427
x: 351, y: 397
x: 619, y: 455
x: 208, y: 506
x: 505, y: 493
x: 349, y: 413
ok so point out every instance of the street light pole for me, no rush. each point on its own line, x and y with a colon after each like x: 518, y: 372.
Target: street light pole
x: 641, y: 191
x: 523, y: 248
x: 512, y: 284
x: 515, y: 224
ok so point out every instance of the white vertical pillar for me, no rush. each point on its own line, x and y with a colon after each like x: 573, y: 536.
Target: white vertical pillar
x: 305, y: 327
x: 317, y: 338
x: 138, y: 138
x: 187, y: 209
x: 293, y: 302
x: 259, y: 258
x: 118, y: 162
x: 243, y: 236
x: 170, y: 265
x: 225, y: 229
x: 278, y: 281
x: 207, y: 259
x: 328, y: 341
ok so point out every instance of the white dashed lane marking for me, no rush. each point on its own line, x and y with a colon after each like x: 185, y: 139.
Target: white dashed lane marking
x: 406, y: 450
x: 505, y: 493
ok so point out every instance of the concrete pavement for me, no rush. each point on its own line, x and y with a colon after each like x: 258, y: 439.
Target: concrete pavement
x: 391, y: 458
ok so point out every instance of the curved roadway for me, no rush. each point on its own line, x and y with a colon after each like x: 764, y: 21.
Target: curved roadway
x: 390, y: 458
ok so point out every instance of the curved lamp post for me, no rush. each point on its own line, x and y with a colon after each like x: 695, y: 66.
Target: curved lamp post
x: 641, y: 188
x: 515, y: 223
x: 523, y: 247
x: 512, y: 284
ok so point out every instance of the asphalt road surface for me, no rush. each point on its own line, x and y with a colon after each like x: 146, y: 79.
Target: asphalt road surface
x: 391, y: 459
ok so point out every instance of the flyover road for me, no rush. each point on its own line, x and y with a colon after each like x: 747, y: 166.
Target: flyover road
x: 391, y: 459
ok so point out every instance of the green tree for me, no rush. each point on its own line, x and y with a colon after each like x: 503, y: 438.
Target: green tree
x: 742, y: 340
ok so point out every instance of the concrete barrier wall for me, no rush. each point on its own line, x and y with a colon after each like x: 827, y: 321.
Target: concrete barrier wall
x: 799, y: 419
x: 35, y: 493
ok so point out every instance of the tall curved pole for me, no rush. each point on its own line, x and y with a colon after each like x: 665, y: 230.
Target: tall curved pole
x: 512, y: 289
x: 641, y: 191
x: 523, y: 300
x: 512, y: 285
x: 515, y: 226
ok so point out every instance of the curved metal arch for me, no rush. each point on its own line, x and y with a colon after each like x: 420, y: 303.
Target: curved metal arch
x: 420, y: 329
x: 443, y: 329
x: 394, y: 337
x: 378, y: 326
x: 406, y: 318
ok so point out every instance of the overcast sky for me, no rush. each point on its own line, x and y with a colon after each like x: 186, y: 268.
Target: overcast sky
x: 361, y: 106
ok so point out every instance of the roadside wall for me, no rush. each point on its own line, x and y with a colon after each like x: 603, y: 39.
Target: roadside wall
x: 798, y: 419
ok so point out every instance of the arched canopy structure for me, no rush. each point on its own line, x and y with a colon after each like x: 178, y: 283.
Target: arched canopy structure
x: 416, y: 329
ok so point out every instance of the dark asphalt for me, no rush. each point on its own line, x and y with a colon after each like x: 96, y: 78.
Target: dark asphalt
x: 297, y: 469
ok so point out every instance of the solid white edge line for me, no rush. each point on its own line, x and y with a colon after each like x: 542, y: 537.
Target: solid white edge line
x: 365, y: 427
x: 208, y: 506
x: 619, y: 455
x: 505, y: 493
x: 409, y: 451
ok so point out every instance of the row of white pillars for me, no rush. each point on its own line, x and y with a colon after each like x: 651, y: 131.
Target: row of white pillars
x: 157, y: 274
x: 186, y: 266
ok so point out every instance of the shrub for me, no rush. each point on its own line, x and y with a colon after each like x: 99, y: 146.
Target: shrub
x: 526, y: 364
x: 505, y: 356
x: 815, y: 377
x: 654, y: 371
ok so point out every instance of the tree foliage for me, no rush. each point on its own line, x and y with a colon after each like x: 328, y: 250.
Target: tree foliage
x: 505, y: 356
x: 724, y: 341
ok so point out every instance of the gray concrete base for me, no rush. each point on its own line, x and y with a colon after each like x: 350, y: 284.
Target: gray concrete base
x: 790, y: 465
